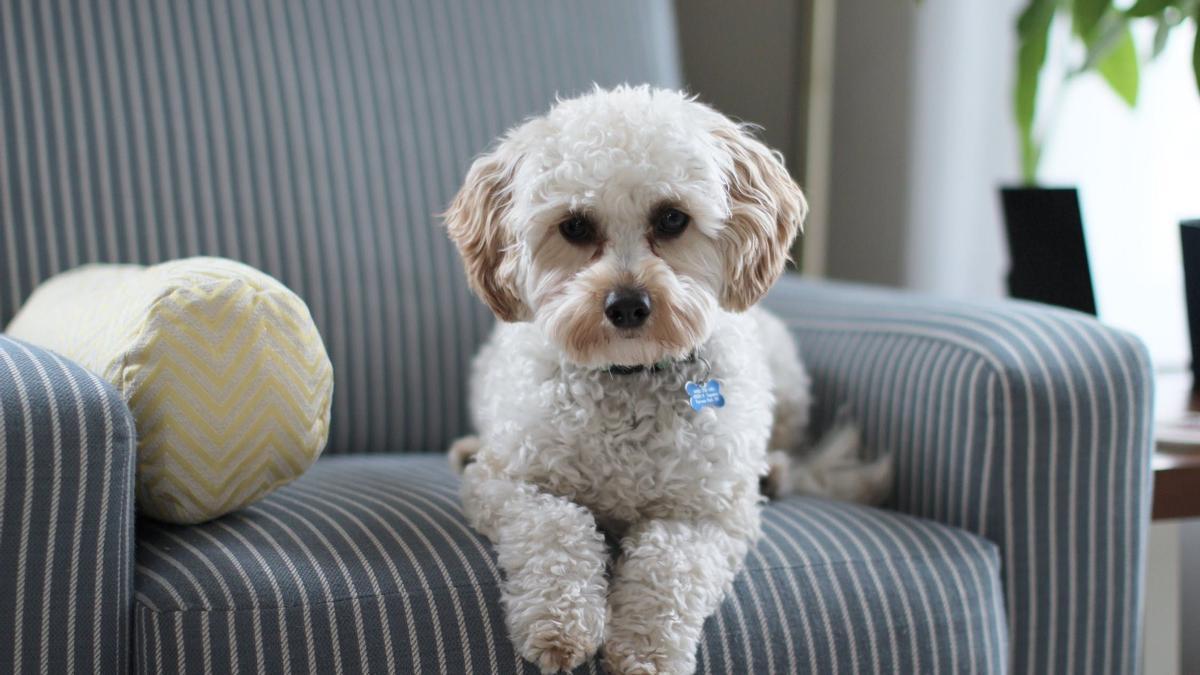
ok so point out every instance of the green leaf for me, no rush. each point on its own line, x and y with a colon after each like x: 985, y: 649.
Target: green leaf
x: 1085, y: 14
x: 1107, y: 35
x: 1112, y: 53
x: 1143, y: 8
x: 1120, y: 68
x: 1162, y: 31
x: 1033, y: 33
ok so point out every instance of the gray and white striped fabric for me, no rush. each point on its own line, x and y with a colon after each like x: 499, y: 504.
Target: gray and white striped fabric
x: 66, y: 517
x: 1026, y: 425
x: 313, y: 140
x: 366, y: 565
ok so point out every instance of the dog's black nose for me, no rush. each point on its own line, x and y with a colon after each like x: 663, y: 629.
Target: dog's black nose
x: 627, y: 307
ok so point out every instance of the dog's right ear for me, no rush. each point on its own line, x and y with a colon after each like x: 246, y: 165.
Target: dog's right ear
x: 477, y: 221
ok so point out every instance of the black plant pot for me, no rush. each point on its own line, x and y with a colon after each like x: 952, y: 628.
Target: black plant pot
x: 1189, y: 236
x: 1049, y: 261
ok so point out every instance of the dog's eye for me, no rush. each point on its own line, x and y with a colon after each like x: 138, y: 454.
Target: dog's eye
x: 670, y: 222
x: 578, y: 229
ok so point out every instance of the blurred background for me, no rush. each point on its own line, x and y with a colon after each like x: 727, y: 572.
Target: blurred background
x: 898, y: 119
x: 902, y: 119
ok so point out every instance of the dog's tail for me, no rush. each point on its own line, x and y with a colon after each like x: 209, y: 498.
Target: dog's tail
x: 462, y: 452
x: 833, y: 468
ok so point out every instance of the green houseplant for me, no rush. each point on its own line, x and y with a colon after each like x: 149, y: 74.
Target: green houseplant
x: 1048, y: 255
x: 1103, y: 26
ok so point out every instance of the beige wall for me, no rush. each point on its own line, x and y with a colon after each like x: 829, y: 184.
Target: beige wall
x: 922, y: 138
x: 872, y: 102
x: 742, y: 58
x: 770, y: 62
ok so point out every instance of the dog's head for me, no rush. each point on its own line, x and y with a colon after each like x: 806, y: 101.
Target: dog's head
x: 622, y: 220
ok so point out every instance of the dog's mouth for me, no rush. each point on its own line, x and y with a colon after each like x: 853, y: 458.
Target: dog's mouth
x: 638, y: 348
x: 593, y: 330
x: 624, y: 349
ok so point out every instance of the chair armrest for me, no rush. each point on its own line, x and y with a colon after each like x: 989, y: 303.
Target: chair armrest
x: 66, y: 516
x: 1028, y: 425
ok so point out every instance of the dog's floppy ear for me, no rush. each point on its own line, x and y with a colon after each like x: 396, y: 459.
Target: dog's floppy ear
x: 766, y: 212
x: 477, y: 221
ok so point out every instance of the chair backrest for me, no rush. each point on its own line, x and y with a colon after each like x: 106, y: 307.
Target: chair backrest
x: 314, y: 140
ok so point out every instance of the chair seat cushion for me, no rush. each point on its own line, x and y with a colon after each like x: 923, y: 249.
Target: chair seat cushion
x: 366, y: 564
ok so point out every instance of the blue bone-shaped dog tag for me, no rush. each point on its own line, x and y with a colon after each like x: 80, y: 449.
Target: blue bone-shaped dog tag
x: 707, y: 394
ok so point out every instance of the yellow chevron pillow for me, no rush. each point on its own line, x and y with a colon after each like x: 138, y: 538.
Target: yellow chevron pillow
x: 222, y: 366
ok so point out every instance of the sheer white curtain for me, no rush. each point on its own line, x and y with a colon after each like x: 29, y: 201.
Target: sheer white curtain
x: 1138, y: 173
x: 964, y: 147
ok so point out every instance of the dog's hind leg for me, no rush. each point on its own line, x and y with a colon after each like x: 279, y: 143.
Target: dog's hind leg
x: 833, y: 469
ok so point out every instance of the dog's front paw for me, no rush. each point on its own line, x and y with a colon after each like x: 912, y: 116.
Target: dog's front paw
x: 637, y: 644
x: 555, y: 595
x: 628, y: 654
x: 558, y: 634
x: 558, y: 647
x: 620, y: 659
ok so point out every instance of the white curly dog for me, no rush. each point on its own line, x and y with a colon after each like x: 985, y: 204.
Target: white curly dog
x: 623, y: 239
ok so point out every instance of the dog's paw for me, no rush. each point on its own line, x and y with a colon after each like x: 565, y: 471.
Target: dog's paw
x: 556, y: 647
x: 462, y: 452
x: 621, y: 659
x: 635, y: 645
x: 559, y: 631
x: 631, y: 655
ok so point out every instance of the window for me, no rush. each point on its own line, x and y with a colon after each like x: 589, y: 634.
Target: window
x: 1138, y: 172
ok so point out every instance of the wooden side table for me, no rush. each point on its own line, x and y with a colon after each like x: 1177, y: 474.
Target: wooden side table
x: 1176, y: 474
x: 1176, y: 486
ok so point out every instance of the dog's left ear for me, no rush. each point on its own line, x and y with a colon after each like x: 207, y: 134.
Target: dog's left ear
x: 766, y: 212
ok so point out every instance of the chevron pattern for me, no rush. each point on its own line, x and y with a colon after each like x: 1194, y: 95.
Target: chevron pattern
x: 222, y: 366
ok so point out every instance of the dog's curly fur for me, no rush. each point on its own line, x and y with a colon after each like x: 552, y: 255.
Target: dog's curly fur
x: 569, y: 449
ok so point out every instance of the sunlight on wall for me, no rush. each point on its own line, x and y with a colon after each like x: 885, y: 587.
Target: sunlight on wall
x: 1138, y: 172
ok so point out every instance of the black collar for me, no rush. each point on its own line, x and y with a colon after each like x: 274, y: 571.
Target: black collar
x: 655, y: 368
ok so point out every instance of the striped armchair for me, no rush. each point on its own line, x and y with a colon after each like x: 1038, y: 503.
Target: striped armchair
x: 314, y: 140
